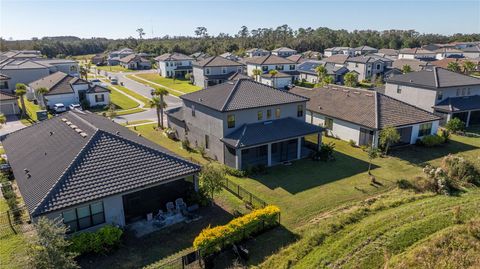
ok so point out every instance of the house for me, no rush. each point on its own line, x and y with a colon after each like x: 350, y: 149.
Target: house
x: 256, y: 52
x: 198, y: 56
x: 89, y: 171
x: 115, y: 56
x: 244, y: 123
x: 362, y: 50
x: 230, y: 56
x: 98, y: 60
x: 272, y: 62
x: 439, y: 90
x: 417, y: 53
x: 174, y: 65
x: 471, y: 52
x: 443, y: 53
x: 339, y: 50
x: 367, y: 67
x: 296, y: 58
x: 359, y: 115
x: 278, y: 81
x: 135, y: 62
x: 337, y: 59
x: 388, y: 53
x: 67, y: 89
x: 312, y: 55
x: 20, y: 54
x: 238, y: 75
x: 283, y: 52
x: 28, y: 70
x: 214, y: 70
x: 308, y: 71
x: 8, y: 104
x: 444, y: 62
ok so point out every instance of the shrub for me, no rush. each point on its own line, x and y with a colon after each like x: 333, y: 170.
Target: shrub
x: 102, y: 241
x: 234, y: 172
x: 325, y: 153
x: 445, y: 134
x: 455, y: 125
x: 211, y: 240
x: 432, y: 140
x: 404, y: 184
x: 461, y: 170
x: 352, y: 143
x: 186, y: 145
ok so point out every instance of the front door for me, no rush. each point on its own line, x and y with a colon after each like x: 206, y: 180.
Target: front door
x: 82, y: 95
x: 405, y: 135
x: 366, y: 137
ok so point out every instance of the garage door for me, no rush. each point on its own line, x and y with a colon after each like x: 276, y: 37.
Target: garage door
x: 7, y: 109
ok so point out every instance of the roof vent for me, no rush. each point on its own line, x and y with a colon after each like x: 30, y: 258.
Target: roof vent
x: 64, y: 120
x: 78, y: 130
x: 25, y: 170
x: 29, y: 176
x: 200, y: 99
x: 369, y: 94
x: 117, y: 132
x: 83, y: 135
x: 347, y: 91
x: 356, y: 92
x: 51, y: 133
x: 68, y: 123
x: 73, y: 126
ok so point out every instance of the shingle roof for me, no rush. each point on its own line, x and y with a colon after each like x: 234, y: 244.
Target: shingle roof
x: 97, y: 89
x: 415, y: 64
x: 362, y: 59
x: 278, y: 75
x: 268, y: 59
x: 241, y: 94
x: 67, y: 169
x: 173, y: 57
x: 458, y: 104
x: 362, y: 107
x: 472, y: 49
x: 365, y: 48
x: 133, y: 57
x: 309, y: 67
x: 434, y: 79
x: 415, y: 51
x: 12, y: 64
x: 57, y: 83
x: 390, y: 52
x: 239, y: 75
x: 269, y: 131
x: 216, y: 61
x: 7, y: 96
x: 284, y: 49
x: 297, y: 58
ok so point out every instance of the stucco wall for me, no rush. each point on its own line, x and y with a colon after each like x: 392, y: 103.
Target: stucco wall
x: 23, y: 76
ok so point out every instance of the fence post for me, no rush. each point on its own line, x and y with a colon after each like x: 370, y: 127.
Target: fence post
x: 250, y: 198
x: 10, y: 222
x: 238, y: 190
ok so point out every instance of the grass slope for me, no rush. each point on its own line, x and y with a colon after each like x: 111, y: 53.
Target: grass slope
x: 180, y: 85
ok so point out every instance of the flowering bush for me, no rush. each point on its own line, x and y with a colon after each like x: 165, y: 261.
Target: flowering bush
x: 211, y: 240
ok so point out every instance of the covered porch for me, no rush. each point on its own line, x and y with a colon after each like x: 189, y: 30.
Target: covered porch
x: 268, y: 143
x: 465, y: 108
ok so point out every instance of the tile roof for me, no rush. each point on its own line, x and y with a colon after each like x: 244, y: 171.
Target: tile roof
x: 362, y: 107
x: 458, y: 104
x: 337, y: 58
x: 70, y: 167
x: 268, y: 59
x: 362, y: 59
x: 57, y: 83
x: 434, y: 79
x: 297, y: 58
x: 278, y: 75
x: 365, y: 48
x: 238, y: 75
x: 216, y: 61
x: 133, y: 57
x: 241, y: 94
x: 415, y: 64
x: 444, y: 62
x: 269, y: 131
x: 174, y: 57
x: 309, y: 67
x: 390, y: 52
x: 7, y: 96
x: 415, y: 51
x: 284, y: 49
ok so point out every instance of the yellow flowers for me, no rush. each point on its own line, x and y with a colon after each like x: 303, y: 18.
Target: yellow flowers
x: 212, y: 239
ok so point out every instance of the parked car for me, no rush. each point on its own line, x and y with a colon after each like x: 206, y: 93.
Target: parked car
x: 95, y: 82
x: 75, y: 106
x: 59, y: 108
x: 114, y: 81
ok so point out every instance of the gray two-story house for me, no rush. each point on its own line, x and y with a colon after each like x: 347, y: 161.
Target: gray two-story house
x: 366, y: 66
x: 244, y: 123
x: 174, y: 65
x: 287, y: 70
x: 214, y: 70
x: 446, y: 93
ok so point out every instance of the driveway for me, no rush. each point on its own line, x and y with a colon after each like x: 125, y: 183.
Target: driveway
x: 13, y: 124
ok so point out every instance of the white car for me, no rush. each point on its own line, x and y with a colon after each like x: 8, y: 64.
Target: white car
x: 75, y: 106
x: 58, y: 108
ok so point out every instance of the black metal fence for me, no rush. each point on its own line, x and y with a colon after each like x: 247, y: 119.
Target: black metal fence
x: 14, y: 221
x: 249, y: 198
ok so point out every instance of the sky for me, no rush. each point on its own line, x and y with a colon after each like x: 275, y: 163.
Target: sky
x: 119, y: 19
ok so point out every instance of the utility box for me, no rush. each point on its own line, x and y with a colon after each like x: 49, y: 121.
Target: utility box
x: 42, y: 115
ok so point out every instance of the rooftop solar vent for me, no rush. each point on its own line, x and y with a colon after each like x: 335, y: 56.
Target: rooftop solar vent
x: 78, y: 130
x: 64, y: 120
x: 68, y: 123
x: 369, y: 94
x: 83, y: 135
x: 73, y: 126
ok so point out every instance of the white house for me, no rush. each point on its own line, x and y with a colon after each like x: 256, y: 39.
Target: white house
x: 284, y: 52
x: 416, y: 53
x: 174, y: 65
x: 272, y: 62
x: 256, y: 52
x: 339, y: 50
x: 66, y: 89
x: 359, y: 115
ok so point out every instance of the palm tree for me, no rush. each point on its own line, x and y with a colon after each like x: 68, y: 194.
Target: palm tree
x: 350, y: 79
x: 159, y: 93
x: 256, y: 72
x: 3, y: 120
x: 328, y: 80
x: 273, y: 73
x: 321, y: 72
x: 453, y: 66
x: 406, y: 69
x: 83, y: 73
x: 468, y: 66
x: 20, y: 91
x: 157, y: 103
x: 40, y: 92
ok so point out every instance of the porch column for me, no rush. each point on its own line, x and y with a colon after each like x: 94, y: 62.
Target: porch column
x: 238, y: 159
x: 269, y: 154
x: 299, y: 148
x: 319, y: 141
x: 195, y: 183
x: 468, y: 118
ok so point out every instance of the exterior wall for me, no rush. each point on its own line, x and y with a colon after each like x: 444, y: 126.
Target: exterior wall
x: 309, y: 77
x: 177, y: 126
x: 426, y: 98
x: 286, y: 67
x: 92, y: 102
x: 198, y: 77
x: 341, y: 129
x: 366, y: 71
x: 66, y: 99
x: 24, y: 76
x: 68, y: 68
x: 9, y: 107
x: 280, y: 83
x: 284, y: 53
x: 172, y: 65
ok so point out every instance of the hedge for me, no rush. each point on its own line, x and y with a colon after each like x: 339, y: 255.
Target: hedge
x: 211, y: 240
x: 101, y: 241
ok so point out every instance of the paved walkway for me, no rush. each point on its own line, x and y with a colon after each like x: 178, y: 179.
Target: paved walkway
x: 13, y: 124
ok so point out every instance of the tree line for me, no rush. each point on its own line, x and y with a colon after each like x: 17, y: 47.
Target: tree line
x: 301, y: 39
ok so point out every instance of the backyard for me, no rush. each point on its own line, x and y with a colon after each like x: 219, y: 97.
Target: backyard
x: 176, y: 87
x: 113, y: 68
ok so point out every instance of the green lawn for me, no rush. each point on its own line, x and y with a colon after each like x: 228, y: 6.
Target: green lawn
x: 9, y: 246
x: 180, y: 85
x: 135, y: 95
x: 114, y: 68
x: 31, y: 111
x: 121, y: 101
x: 136, y: 122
